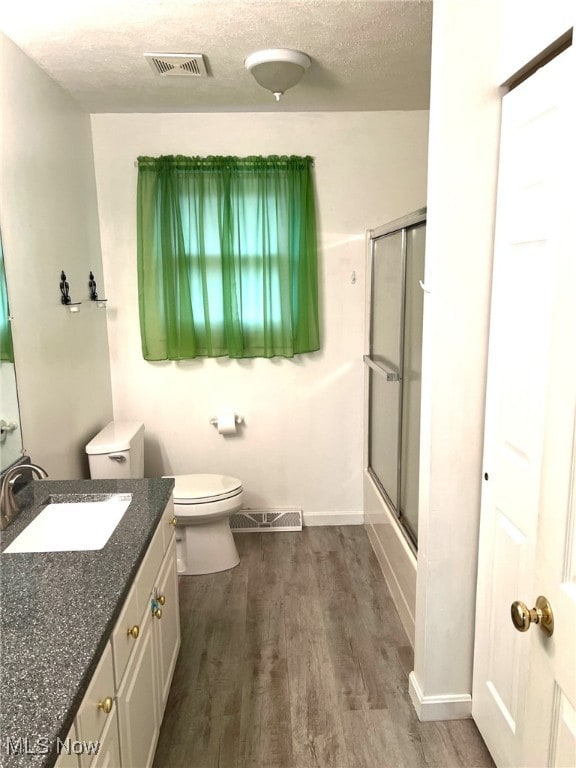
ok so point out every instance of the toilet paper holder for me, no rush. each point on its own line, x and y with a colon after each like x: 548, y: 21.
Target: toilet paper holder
x: 237, y: 419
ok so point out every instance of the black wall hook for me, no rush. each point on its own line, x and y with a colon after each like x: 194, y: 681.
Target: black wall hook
x: 92, y: 286
x: 93, y: 292
x: 65, y: 298
x: 64, y: 289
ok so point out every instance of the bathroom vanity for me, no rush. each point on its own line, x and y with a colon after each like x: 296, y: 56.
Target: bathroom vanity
x: 89, y: 638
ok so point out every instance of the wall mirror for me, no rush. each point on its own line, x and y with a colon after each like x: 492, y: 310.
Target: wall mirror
x: 10, y: 432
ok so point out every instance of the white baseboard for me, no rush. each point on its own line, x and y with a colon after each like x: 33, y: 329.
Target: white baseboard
x: 445, y: 707
x: 333, y: 518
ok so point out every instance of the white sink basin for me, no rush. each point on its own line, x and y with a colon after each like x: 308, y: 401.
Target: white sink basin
x: 73, y: 524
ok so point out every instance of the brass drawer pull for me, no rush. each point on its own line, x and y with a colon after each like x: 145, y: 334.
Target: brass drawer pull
x: 106, y: 705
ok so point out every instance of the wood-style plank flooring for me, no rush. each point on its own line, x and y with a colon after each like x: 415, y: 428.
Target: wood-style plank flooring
x: 296, y: 658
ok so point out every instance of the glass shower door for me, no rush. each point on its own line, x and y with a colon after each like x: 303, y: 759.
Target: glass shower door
x: 412, y: 379
x: 395, y: 365
x: 385, y: 358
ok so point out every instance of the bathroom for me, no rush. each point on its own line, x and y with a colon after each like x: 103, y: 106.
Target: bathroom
x: 76, y: 371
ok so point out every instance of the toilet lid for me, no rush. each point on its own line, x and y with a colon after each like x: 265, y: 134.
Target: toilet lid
x: 199, y: 489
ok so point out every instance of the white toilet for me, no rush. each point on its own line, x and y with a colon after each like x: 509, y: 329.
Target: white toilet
x: 202, y: 503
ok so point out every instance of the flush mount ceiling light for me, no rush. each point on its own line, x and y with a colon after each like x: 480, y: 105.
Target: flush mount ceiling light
x: 277, y: 69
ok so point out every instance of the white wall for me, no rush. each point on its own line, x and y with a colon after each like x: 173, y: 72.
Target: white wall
x: 464, y: 129
x: 49, y: 223
x: 302, y: 444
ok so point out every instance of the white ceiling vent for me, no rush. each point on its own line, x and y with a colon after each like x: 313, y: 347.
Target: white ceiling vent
x: 177, y: 64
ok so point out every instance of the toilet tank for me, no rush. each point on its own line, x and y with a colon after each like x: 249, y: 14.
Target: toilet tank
x: 117, y: 451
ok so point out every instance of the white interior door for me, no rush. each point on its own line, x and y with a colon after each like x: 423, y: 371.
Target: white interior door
x: 524, y: 697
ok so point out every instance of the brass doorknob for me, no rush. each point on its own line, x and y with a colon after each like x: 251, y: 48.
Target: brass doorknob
x: 134, y: 631
x: 523, y: 617
x: 158, y: 613
x: 106, y: 705
x: 172, y: 522
x: 161, y: 599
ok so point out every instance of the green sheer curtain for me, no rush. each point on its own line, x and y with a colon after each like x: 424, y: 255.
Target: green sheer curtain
x: 6, y: 348
x: 227, y: 261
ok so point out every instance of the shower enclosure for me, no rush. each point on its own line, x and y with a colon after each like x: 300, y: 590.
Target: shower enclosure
x: 394, y: 365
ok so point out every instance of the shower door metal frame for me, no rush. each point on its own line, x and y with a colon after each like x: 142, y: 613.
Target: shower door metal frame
x: 398, y: 225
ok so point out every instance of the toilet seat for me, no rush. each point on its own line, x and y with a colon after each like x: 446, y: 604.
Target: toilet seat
x: 205, y: 489
x: 201, y: 498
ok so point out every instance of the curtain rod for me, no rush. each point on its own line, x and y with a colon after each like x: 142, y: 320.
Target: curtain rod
x: 136, y: 163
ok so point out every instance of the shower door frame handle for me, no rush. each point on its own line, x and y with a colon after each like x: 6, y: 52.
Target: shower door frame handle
x: 390, y: 375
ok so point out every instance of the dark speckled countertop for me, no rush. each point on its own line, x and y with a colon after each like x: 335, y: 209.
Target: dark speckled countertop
x: 57, y: 611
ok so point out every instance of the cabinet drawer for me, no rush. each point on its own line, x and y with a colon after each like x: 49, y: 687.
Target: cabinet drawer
x: 146, y: 576
x: 91, y: 718
x: 123, y: 640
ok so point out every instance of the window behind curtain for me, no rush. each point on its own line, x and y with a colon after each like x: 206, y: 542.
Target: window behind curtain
x: 227, y: 261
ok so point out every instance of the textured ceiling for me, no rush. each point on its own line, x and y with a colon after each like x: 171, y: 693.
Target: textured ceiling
x: 366, y: 54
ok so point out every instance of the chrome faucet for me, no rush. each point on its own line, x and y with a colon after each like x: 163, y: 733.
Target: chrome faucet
x: 9, y: 507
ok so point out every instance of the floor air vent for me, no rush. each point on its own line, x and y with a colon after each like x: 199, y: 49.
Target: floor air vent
x: 177, y: 64
x: 253, y: 520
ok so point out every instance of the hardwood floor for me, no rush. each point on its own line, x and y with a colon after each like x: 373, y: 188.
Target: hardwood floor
x: 296, y: 658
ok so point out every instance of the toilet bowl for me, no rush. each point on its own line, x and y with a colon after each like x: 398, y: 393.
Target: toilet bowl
x: 203, y: 503
x: 202, y: 506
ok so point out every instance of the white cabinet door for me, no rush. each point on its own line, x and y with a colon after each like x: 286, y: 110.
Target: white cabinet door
x: 98, y: 709
x: 167, y: 629
x: 108, y: 755
x: 524, y: 698
x: 137, y: 702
